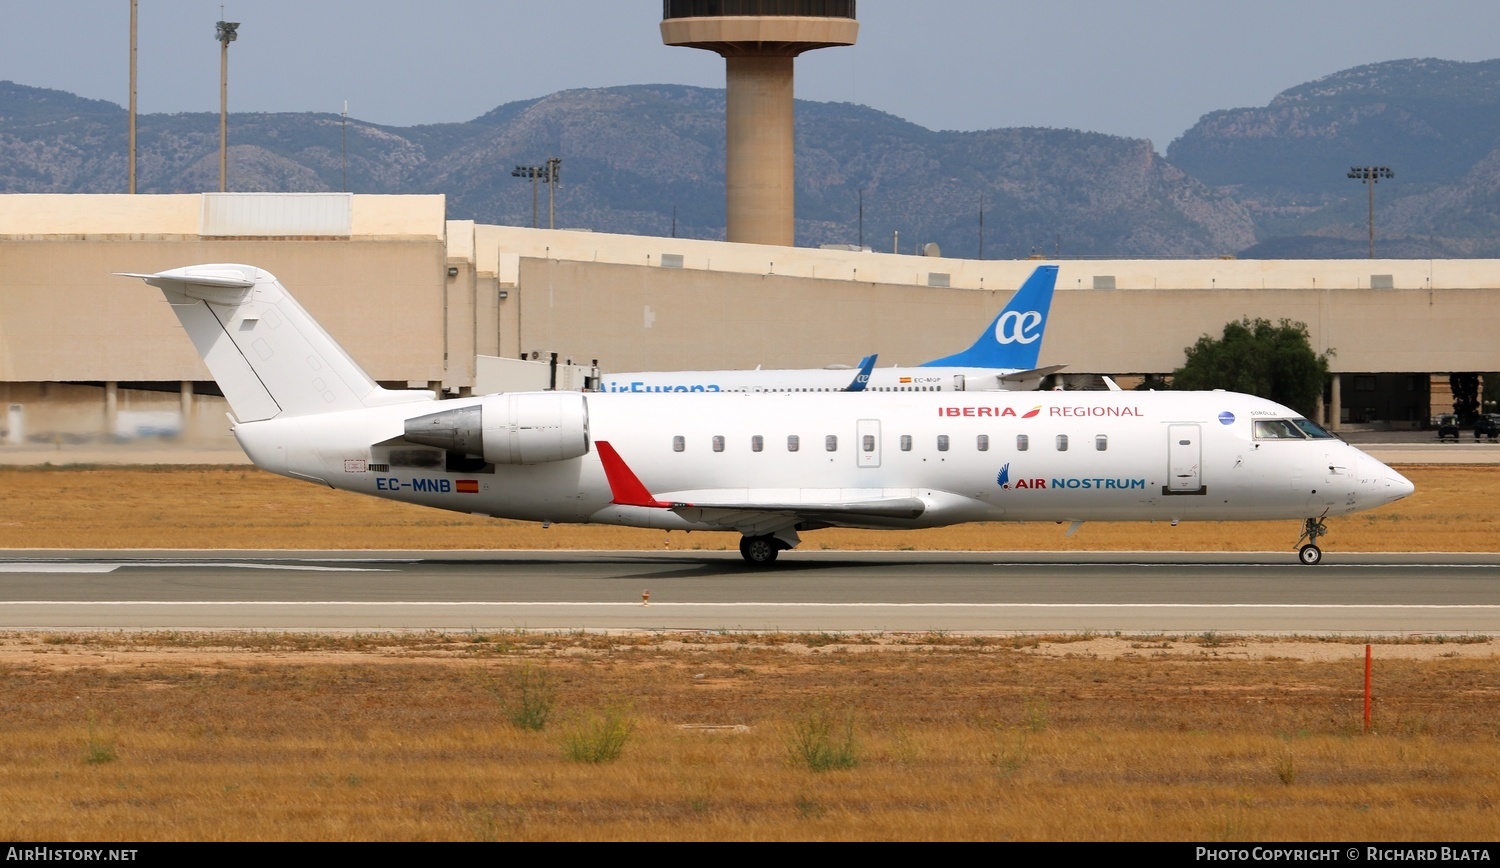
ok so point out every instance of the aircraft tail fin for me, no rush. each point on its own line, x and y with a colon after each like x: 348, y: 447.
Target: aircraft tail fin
x: 1014, y: 338
x: 862, y: 376
x: 267, y: 354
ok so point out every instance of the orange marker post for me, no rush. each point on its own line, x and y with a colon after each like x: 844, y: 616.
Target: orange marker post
x: 1367, y: 687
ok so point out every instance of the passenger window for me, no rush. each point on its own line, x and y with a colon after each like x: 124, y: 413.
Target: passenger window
x: 831, y: 443
x: 1023, y: 442
x: 793, y: 442
x: 942, y: 442
x: 1101, y: 442
x: 983, y: 443
x: 718, y: 442
x: 868, y: 442
x: 678, y: 444
x: 1062, y: 443
x: 757, y: 443
x: 905, y: 442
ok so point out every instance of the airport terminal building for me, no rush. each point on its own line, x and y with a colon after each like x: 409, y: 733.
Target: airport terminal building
x: 422, y: 300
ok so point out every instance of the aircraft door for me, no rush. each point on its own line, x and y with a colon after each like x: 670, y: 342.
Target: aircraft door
x: 1184, y: 459
x: 958, y: 382
x: 868, y: 437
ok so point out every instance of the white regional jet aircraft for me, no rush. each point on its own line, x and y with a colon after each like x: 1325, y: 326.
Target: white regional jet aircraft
x: 1004, y: 357
x: 765, y: 466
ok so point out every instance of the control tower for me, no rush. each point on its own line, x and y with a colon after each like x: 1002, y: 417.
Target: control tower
x: 759, y: 39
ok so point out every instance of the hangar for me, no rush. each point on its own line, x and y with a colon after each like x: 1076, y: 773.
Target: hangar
x: 422, y: 300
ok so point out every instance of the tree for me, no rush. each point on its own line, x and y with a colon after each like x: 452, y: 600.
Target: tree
x: 1272, y: 361
x: 1465, y: 396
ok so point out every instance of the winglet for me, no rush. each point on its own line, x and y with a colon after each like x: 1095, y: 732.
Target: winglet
x: 625, y: 487
x: 862, y: 377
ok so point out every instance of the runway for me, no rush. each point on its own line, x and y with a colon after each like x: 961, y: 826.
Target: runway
x: 985, y: 592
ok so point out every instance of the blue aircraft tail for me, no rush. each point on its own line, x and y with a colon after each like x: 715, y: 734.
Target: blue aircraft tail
x: 861, y: 376
x: 1014, y: 339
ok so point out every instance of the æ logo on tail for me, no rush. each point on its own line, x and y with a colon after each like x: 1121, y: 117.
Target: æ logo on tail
x: 862, y: 375
x: 1018, y: 327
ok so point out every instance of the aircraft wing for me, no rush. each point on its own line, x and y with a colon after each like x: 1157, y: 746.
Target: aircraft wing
x: 751, y: 515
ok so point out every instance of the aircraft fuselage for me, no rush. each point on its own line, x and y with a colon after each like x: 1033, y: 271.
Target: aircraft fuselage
x: 996, y: 456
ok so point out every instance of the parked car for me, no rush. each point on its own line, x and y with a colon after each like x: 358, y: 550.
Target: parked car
x: 1487, y: 425
x: 1447, y: 427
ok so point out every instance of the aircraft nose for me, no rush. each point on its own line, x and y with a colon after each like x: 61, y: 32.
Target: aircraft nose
x: 1381, y: 483
x: 1389, y: 486
x: 1397, y: 486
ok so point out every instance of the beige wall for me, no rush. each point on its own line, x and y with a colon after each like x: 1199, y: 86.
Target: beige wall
x: 1368, y: 330
x: 26, y: 215
x: 640, y: 318
x: 386, y: 294
x: 652, y: 318
x: 492, y: 244
x: 64, y: 316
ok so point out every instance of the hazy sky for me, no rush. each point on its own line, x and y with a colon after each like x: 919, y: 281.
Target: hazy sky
x: 1141, y: 68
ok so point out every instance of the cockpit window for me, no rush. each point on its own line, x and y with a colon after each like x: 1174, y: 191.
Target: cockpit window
x: 1277, y: 429
x: 1314, y: 430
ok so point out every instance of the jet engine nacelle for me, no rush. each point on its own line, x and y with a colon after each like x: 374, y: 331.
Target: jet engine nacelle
x: 521, y: 428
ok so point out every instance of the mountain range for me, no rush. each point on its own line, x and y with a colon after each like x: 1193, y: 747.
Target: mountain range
x: 1266, y: 182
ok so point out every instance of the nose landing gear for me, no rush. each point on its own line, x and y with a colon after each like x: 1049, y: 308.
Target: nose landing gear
x: 1312, y: 528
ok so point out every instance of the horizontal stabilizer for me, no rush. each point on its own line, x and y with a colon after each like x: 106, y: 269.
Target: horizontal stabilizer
x: 269, y: 357
x: 198, y: 282
x: 1033, y: 375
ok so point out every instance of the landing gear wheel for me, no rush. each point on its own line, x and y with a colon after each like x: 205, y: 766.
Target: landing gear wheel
x: 759, y: 551
x: 1312, y: 528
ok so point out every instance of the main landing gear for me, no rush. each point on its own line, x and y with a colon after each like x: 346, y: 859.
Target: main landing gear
x: 1312, y: 528
x: 760, y: 551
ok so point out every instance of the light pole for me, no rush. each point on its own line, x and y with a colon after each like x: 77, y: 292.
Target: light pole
x: 981, y: 224
x: 1370, y: 175
x: 532, y: 172
x: 549, y: 173
x: 134, y: 21
x: 552, y: 179
x: 226, y: 32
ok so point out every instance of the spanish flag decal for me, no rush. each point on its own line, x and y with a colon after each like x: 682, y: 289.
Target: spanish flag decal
x: 468, y: 486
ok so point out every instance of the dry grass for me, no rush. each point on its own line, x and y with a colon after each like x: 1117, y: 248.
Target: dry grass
x: 146, y: 737
x: 1454, y: 509
x: 176, y: 737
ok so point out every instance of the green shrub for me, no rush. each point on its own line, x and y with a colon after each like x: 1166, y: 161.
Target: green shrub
x: 822, y: 744
x: 601, y: 739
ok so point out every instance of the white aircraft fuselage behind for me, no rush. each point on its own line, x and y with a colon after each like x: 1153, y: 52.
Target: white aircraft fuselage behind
x: 827, y: 380
x: 892, y: 379
x: 1003, y: 357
